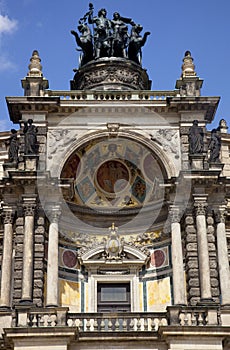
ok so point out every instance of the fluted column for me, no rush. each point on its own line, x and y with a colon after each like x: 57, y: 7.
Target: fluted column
x: 222, y: 251
x: 28, y: 245
x: 6, y: 276
x: 200, y: 204
x: 52, y: 265
x: 177, y: 258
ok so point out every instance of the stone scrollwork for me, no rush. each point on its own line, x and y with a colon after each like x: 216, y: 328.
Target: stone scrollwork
x: 58, y: 141
x: 116, y: 73
x: 168, y: 139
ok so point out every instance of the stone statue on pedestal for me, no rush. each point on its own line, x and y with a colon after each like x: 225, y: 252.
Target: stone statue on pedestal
x: 214, y: 147
x: 111, y: 38
x: 13, y: 147
x: 196, y: 138
x: 30, y: 137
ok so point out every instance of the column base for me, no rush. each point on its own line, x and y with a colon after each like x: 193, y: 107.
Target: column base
x: 51, y: 305
x: 5, y: 308
x: 206, y: 301
x: 26, y: 302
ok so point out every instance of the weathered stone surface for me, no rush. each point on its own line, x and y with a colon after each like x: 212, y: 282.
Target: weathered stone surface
x: 211, y: 247
x: 38, y: 247
x: 40, y: 221
x: 193, y: 264
x: 214, y: 282
x: 189, y: 220
x: 210, y: 220
x: 38, y: 284
x: 210, y: 230
x: 20, y: 229
x: 39, y: 239
x: 39, y: 229
x: 20, y: 221
x: 194, y: 292
x: 37, y: 293
x: 38, y: 274
x: 191, y: 247
x: 193, y: 282
x: 190, y: 236
x: 193, y: 273
x: 215, y: 292
x: 38, y: 265
x: 18, y: 265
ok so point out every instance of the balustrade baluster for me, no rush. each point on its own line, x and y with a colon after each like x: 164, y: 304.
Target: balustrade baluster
x: 117, y: 324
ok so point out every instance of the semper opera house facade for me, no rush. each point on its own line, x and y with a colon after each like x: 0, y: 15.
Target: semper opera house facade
x: 115, y: 212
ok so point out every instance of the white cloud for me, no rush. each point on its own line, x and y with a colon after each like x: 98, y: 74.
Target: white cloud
x: 7, y: 25
x: 5, y: 63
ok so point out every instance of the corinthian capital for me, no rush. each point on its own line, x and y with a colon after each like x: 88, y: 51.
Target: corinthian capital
x: 200, y: 205
x: 174, y: 214
x: 8, y: 216
x: 54, y: 214
x: 220, y: 215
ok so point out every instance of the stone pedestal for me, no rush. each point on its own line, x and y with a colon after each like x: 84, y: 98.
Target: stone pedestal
x: 111, y: 73
x: 31, y: 161
x: 197, y: 161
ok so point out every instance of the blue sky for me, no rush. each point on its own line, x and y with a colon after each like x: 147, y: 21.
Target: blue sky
x: 201, y: 26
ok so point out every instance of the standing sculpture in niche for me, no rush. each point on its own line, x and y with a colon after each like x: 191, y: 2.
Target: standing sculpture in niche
x: 196, y: 138
x: 30, y: 137
x: 13, y: 147
x: 111, y: 38
x: 214, y: 147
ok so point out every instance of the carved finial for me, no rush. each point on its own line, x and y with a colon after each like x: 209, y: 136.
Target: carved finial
x: 188, y: 67
x: 189, y: 83
x: 35, y: 67
x: 34, y: 84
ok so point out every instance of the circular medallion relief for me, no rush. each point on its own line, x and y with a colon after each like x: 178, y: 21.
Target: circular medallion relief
x: 157, y: 258
x: 112, y: 176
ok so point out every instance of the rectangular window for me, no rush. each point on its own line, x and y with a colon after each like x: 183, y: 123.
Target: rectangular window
x: 113, y: 297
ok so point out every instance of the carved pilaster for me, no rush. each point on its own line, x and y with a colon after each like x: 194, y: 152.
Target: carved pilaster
x: 212, y: 256
x: 177, y: 257
x: 191, y: 255
x: 52, y: 265
x: 200, y: 205
x: 222, y: 253
x: 29, y: 206
x: 6, y: 275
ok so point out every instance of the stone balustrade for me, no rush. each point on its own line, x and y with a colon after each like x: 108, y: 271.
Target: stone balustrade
x: 117, y: 322
x: 111, y: 95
